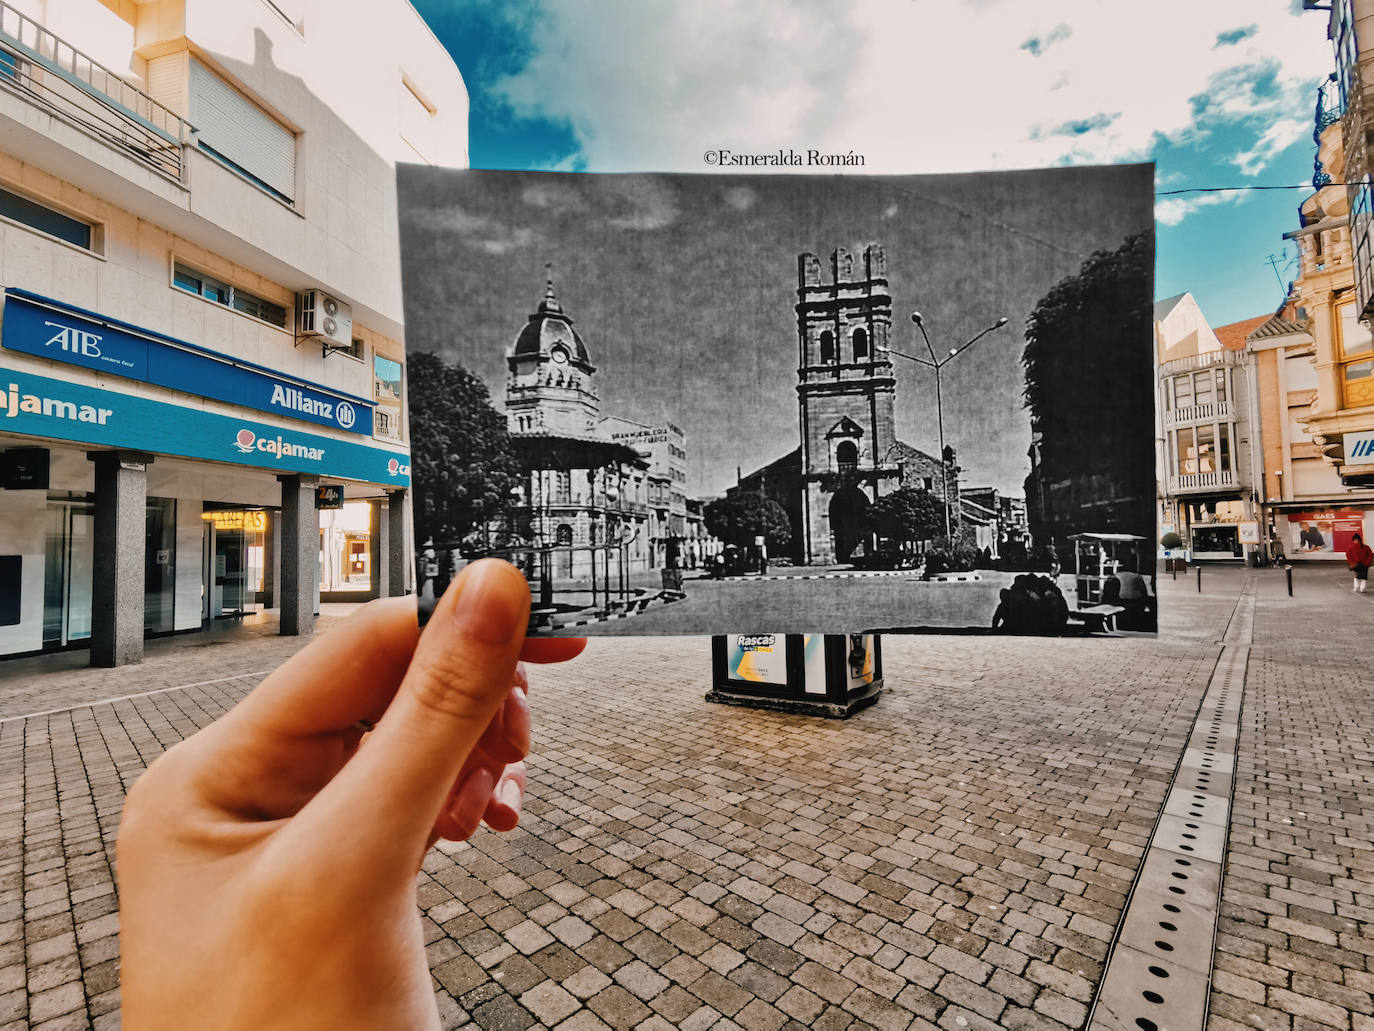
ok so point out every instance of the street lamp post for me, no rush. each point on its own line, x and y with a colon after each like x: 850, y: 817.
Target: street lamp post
x: 937, y: 364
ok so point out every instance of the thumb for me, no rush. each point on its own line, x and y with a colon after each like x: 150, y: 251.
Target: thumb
x: 389, y: 795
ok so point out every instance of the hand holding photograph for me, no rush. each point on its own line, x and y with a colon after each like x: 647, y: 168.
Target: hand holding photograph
x: 701, y: 404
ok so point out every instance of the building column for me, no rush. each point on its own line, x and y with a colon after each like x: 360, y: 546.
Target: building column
x: 120, y: 556
x: 300, y: 554
x: 397, y: 557
x: 271, y: 545
x: 378, y: 523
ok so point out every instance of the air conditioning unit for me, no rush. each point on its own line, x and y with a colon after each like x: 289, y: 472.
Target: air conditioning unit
x: 324, y: 318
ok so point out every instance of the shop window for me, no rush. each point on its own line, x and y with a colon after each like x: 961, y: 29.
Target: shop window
x: 211, y: 289
x: 46, y: 220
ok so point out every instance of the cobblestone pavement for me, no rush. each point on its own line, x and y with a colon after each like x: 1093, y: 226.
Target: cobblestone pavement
x: 958, y: 855
x: 1295, y: 944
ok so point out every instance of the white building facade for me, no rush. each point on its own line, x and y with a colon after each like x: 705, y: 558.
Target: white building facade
x: 202, y: 320
x: 1207, y: 436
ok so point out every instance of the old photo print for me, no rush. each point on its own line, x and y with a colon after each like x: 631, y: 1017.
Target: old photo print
x: 709, y: 404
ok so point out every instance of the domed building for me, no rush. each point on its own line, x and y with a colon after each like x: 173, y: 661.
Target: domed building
x: 582, y: 501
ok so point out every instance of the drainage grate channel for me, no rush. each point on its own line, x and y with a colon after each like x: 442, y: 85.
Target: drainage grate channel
x: 1159, y: 970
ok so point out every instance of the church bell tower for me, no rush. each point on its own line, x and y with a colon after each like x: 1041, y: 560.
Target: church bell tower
x: 845, y: 390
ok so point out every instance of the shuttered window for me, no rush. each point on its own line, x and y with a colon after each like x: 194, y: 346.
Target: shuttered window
x: 241, y: 135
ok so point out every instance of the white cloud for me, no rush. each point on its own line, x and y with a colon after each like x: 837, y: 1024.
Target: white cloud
x: 1277, y: 138
x: 1172, y: 210
x: 914, y: 87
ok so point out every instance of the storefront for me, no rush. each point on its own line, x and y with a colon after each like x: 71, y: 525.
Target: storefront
x: 1321, y: 532
x: 119, y: 498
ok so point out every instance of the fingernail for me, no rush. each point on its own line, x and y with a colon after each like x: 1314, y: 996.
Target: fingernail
x: 522, y: 679
x: 518, y: 722
x: 510, y: 795
x: 488, y: 609
x: 472, y: 797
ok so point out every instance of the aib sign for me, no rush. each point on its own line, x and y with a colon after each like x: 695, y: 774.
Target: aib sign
x: 43, y: 328
x: 1359, y: 448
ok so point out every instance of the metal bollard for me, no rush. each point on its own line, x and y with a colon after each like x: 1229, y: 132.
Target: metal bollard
x: 1199, y: 578
x: 1288, y: 571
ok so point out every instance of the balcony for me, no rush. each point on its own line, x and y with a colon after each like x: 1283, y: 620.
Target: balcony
x: 1215, y: 411
x: 1199, y: 482
x: 49, y: 73
x: 1206, y: 360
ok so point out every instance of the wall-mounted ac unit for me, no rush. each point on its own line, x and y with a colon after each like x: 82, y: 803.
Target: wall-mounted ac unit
x: 324, y: 318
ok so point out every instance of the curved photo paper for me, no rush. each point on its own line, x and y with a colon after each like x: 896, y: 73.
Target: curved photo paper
x: 696, y: 404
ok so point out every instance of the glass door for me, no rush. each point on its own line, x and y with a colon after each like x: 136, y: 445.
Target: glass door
x: 68, y: 570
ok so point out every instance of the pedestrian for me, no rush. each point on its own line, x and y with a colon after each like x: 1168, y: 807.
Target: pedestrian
x: 1359, y: 558
x: 267, y: 864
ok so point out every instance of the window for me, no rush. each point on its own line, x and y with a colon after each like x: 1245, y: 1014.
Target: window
x: 1221, y: 384
x: 1183, y: 391
x: 386, y: 392
x: 1224, y: 447
x: 1202, y: 388
x: 9, y: 66
x: 1206, y: 453
x: 847, y: 456
x: 827, y: 347
x: 1186, y: 461
x: 45, y: 219
x: 1355, y: 336
x: 1356, y: 344
x: 860, y: 338
x: 198, y: 283
x: 242, y: 136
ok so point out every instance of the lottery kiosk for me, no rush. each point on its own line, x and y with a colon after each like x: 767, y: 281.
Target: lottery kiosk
x: 832, y: 675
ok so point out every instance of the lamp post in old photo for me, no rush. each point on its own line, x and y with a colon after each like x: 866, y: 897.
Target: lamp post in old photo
x: 937, y: 364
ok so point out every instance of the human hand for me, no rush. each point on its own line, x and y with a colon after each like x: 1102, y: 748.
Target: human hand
x: 267, y: 863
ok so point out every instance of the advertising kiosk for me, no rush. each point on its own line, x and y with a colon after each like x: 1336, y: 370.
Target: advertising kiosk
x: 831, y: 675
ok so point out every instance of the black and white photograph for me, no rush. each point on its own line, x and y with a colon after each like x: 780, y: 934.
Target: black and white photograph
x: 705, y: 404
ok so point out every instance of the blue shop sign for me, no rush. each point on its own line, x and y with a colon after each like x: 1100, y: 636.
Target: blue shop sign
x: 49, y: 329
x: 42, y: 407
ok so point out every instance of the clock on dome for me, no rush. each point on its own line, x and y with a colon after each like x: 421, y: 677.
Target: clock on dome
x: 560, y: 355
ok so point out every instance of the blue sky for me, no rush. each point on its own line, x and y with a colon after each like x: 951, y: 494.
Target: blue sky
x: 1220, y: 94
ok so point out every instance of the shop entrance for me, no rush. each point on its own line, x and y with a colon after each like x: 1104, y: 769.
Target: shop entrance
x: 233, y: 566
x: 68, y: 563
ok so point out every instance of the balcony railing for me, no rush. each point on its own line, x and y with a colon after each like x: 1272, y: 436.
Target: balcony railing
x: 54, y: 75
x: 1201, y: 481
x: 1201, y: 361
x: 1215, y: 411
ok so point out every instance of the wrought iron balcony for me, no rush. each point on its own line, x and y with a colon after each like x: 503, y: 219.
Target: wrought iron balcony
x: 53, y: 75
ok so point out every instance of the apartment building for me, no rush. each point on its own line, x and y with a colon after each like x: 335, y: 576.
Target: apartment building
x: 201, y: 342
x: 1336, y: 238
x: 1206, y: 433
